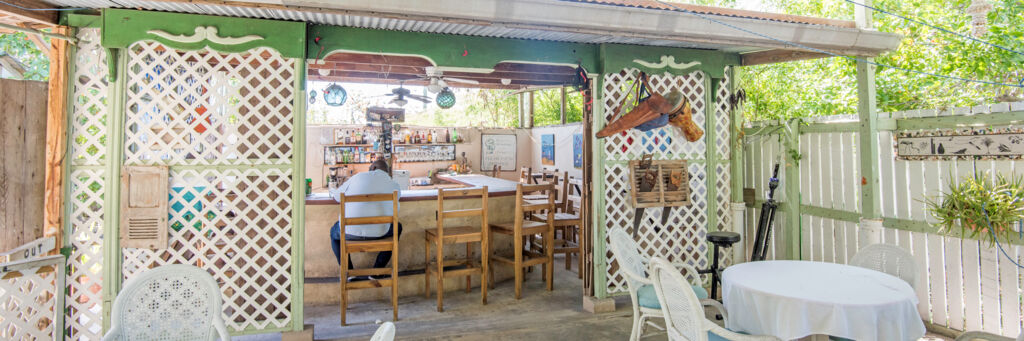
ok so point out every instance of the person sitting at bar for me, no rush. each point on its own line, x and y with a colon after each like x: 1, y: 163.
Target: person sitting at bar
x: 374, y: 181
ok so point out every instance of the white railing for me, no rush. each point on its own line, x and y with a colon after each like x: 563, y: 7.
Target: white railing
x: 31, y: 300
x: 967, y: 284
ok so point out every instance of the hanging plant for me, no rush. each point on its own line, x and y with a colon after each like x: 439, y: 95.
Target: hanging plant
x: 978, y: 202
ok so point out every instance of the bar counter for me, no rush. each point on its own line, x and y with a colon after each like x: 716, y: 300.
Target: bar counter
x: 417, y: 214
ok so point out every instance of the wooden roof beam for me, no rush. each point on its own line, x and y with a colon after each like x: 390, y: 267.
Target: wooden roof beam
x: 778, y: 56
x: 29, y: 16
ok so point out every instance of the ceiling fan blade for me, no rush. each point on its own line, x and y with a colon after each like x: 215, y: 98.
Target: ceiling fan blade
x: 420, y: 98
x: 461, y: 80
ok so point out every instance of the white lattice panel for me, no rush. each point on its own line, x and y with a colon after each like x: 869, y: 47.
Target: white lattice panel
x: 236, y: 224
x: 681, y: 238
x: 89, y: 104
x: 27, y: 299
x: 205, y: 107
x: 631, y: 143
x: 722, y: 196
x: 84, y: 282
x: 723, y: 118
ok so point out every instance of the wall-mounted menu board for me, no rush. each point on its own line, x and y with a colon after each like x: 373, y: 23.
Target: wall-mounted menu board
x: 498, y: 150
x: 424, y: 152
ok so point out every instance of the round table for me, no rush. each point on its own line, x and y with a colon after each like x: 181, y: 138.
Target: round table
x: 794, y: 299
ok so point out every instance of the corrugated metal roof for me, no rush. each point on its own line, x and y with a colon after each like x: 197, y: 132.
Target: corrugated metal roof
x: 375, y: 22
x: 658, y: 5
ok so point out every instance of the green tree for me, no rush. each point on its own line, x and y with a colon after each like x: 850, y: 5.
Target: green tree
x: 20, y: 47
x: 828, y: 86
x: 547, y: 105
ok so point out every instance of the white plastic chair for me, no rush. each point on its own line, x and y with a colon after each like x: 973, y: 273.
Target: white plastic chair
x: 889, y: 259
x: 386, y: 332
x: 171, y: 302
x: 684, y: 316
x: 641, y: 291
x: 976, y: 335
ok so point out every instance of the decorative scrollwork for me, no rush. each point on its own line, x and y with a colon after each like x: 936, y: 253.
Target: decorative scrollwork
x: 205, y: 33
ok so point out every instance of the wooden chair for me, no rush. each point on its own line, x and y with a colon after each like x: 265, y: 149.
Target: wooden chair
x: 348, y: 247
x: 520, y: 228
x: 526, y: 175
x: 496, y: 171
x: 547, y: 177
x: 567, y: 221
x: 442, y: 235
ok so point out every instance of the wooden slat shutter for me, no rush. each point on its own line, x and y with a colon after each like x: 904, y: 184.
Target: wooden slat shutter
x: 144, y: 207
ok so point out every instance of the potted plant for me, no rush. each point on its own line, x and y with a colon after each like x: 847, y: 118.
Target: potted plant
x: 978, y: 202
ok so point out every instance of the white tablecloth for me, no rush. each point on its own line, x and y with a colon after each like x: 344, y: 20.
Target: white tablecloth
x: 794, y: 299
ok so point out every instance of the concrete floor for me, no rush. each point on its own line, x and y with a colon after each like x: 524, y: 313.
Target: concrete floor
x: 539, y: 315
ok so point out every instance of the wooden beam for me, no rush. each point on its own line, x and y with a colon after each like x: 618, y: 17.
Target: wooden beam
x: 56, y: 139
x: 561, y: 109
x: 10, y: 7
x: 778, y: 56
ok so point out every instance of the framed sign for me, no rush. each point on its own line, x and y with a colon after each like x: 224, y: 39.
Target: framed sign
x: 498, y: 150
x: 961, y: 144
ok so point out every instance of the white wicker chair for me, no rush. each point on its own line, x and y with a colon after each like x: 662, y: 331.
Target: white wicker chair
x: 171, y: 302
x: 644, y: 299
x: 684, y: 315
x: 386, y: 332
x: 975, y: 335
x: 889, y: 259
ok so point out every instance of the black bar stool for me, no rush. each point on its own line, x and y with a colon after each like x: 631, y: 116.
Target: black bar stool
x: 720, y: 239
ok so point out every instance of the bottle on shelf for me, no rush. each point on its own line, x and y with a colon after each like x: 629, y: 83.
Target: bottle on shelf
x: 430, y: 137
x: 447, y: 137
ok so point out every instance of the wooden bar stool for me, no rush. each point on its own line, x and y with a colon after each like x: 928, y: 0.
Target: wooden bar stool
x: 521, y: 228
x: 526, y: 175
x: 348, y: 247
x: 442, y: 235
x: 567, y: 220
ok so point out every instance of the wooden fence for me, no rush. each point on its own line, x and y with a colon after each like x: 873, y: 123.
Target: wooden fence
x: 22, y: 161
x: 966, y: 284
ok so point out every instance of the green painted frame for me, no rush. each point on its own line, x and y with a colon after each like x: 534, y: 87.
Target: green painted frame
x: 121, y: 28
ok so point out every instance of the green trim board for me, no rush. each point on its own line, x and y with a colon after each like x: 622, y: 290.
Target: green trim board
x: 791, y: 188
x: 83, y: 20
x: 713, y: 63
x: 870, y: 198
x: 121, y: 28
x: 711, y: 86
x: 449, y: 50
x: 947, y: 122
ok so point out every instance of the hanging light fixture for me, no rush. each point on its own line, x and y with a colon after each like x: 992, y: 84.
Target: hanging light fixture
x: 312, y: 97
x: 335, y: 95
x: 445, y: 99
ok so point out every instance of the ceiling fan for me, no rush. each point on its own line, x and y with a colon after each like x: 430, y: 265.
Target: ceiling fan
x: 401, y: 93
x: 438, y: 81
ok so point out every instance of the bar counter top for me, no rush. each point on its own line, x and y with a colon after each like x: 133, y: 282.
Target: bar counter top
x: 495, y: 188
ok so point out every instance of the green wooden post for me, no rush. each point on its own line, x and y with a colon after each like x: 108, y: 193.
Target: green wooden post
x: 791, y: 144
x: 597, y: 168
x: 298, y: 195
x: 112, y: 186
x: 736, y: 141
x: 870, y: 223
x: 711, y: 86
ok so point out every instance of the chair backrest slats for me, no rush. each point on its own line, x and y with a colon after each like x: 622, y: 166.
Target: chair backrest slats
x: 890, y: 259
x: 461, y: 193
x: 683, y: 313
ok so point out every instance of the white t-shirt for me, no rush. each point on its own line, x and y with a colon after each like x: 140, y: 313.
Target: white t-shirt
x: 373, y: 182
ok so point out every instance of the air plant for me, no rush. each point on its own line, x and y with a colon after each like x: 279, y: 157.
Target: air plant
x: 976, y: 203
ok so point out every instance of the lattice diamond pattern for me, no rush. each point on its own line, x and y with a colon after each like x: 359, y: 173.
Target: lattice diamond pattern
x: 723, y: 118
x: 723, y: 195
x: 89, y: 107
x: 205, y: 107
x: 237, y: 225
x: 630, y: 144
x: 84, y: 278
x: 27, y: 302
x: 681, y: 239
x: 84, y: 283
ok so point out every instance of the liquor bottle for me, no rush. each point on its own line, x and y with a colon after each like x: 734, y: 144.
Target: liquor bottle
x: 447, y: 137
x: 430, y: 137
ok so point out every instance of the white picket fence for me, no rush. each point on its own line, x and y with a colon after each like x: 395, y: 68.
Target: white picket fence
x: 966, y: 284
